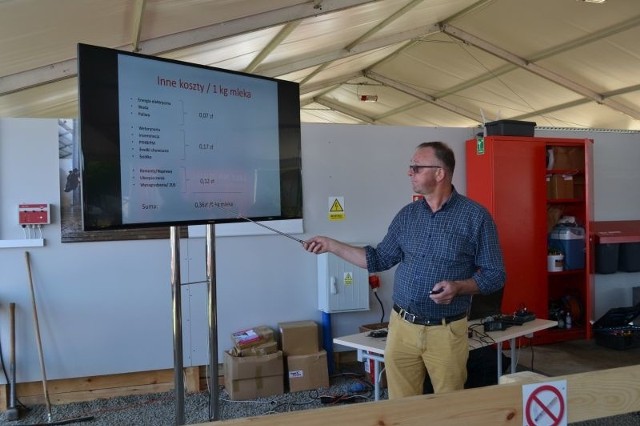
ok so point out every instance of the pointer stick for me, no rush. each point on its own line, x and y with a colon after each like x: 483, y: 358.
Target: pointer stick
x: 284, y: 234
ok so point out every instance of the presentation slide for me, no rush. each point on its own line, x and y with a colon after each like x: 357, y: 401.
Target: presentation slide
x: 196, y: 143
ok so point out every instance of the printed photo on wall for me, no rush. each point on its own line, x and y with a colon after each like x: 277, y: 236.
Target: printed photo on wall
x: 71, y: 196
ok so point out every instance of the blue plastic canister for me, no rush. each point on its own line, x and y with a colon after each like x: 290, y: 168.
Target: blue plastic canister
x: 570, y: 240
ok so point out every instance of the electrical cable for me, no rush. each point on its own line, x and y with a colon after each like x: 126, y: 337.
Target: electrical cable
x: 375, y: 293
x: 478, y: 334
x: 532, y: 352
x: 337, y: 399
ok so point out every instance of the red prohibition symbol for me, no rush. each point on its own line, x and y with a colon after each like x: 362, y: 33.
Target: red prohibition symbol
x: 550, y: 410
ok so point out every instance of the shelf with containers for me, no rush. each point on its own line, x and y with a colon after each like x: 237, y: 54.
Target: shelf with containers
x: 529, y: 184
x: 567, y: 220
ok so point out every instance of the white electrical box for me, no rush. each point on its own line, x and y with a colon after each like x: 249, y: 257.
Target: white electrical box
x: 342, y: 286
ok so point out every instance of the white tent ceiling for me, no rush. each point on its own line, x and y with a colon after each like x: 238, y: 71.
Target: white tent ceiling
x: 451, y: 63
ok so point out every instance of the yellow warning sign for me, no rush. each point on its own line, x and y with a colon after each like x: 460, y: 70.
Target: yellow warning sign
x: 336, y: 208
x: 348, y: 278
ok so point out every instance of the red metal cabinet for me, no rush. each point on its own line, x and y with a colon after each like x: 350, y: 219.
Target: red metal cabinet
x: 511, y: 177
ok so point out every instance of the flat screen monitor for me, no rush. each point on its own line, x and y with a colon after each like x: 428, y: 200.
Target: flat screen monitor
x: 485, y: 305
x: 165, y: 142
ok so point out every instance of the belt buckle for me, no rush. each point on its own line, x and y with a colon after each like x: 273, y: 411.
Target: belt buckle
x: 408, y: 317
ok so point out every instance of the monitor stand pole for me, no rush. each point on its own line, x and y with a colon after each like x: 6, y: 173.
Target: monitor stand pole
x: 176, y: 288
x: 213, y: 323
x: 214, y: 390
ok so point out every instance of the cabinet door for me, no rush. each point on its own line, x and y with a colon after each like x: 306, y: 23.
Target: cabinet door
x: 520, y: 194
x: 508, y: 178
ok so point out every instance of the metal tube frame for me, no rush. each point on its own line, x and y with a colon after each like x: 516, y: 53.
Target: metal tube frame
x: 177, y: 323
x: 213, y: 322
x: 214, y: 391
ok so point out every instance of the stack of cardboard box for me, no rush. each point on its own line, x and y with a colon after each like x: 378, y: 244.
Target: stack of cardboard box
x: 254, y: 367
x: 254, y: 341
x: 306, y: 363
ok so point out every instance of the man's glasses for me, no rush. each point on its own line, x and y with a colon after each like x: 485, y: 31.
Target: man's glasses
x: 415, y: 168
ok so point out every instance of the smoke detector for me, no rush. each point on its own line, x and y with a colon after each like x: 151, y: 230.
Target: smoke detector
x: 369, y: 98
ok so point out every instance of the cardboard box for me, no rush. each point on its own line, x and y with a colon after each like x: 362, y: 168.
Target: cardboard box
x: 252, y: 337
x: 576, y: 158
x: 560, y: 158
x: 579, y: 187
x: 561, y: 187
x: 308, y: 371
x: 299, y: 337
x: 263, y: 349
x: 553, y: 216
x: 568, y: 158
x: 253, y: 376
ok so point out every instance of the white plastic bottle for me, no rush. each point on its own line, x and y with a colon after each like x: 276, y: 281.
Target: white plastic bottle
x: 567, y: 321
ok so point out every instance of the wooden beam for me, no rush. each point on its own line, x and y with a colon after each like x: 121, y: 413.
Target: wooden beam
x: 65, y: 391
x: 590, y: 395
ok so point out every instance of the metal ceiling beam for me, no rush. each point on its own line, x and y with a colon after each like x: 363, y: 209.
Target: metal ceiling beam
x: 423, y: 96
x: 556, y: 50
x: 537, y: 69
x: 409, y: 38
x: 554, y: 108
x: 406, y: 107
x: 578, y: 102
x: 321, y: 85
x: 275, y: 42
x: 137, y: 24
x: 69, y: 68
x: 411, y: 41
x: 388, y: 20
x: 344, y: 110
x: 389, y: 40
x: 385, y: 22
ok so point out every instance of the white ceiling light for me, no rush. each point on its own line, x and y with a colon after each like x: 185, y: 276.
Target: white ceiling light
x: 593, y: 1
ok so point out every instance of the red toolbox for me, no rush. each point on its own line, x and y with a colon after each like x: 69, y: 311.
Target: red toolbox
x: 615, y: 330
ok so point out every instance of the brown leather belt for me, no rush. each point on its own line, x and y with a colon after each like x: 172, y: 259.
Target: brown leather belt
x: 414, y: 319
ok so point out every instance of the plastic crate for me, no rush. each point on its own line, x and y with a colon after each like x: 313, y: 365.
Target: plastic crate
x: 607, y: 258
x: 510, y: 128
x: 629, y: 257
x: 613, y: 330
x: 620, y: 338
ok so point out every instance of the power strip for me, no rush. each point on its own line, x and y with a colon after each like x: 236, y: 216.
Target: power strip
x: 495, y: 326
x: 518, y: 319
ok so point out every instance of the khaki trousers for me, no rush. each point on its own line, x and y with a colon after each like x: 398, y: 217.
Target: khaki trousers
x: 413, y: 350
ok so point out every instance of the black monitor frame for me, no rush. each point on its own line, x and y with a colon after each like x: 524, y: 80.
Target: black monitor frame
x: 99, y: 84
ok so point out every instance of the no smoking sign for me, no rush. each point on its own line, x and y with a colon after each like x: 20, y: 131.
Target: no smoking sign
x: 545, y: 404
